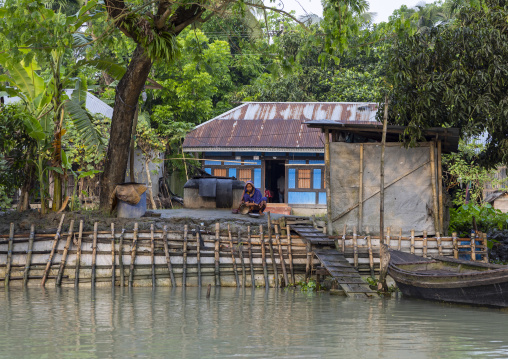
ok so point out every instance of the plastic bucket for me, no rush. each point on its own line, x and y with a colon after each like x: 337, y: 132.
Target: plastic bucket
x: 126, y: 210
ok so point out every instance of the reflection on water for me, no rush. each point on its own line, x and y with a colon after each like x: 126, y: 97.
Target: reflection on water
x: 176, y: 323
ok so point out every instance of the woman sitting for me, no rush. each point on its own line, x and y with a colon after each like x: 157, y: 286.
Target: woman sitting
x: 253, y: 199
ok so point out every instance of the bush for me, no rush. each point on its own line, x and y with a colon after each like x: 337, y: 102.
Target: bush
x: 487, y: 218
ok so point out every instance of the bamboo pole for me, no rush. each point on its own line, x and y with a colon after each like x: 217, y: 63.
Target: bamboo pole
x: 433, y: 182
x: 439, y: 244
x: 281, y: 256
x: 184, y: 263
x: 473, y: 246
x: 133, y: 254
x: 29, y: 255
x: 344, y: 239
x: 399, y: 244
x: 217, y: 254
x: 371, y: 257
x: 78, y: 254
x: 242, y: 262
x: 382, y: 175
x: 486, y: 248
x: 290, y: 254
x: 360, y: 190
x: 94, y: 252
x: 168, y: 258
x: 455, y: 246
x: 270, y: 248
x: 424, y: 244
x: 233, y: 257
x: 113, y: 259
x: 120, y: 258
x: 64, y: 255
x: 55, y: 243
x: 198, y: 255
x: 252, y: 278
x: 152, y: 254
x: 388, y: 237
x: 9, y: 255
x: 308, y: 265
x: 440, y: 187
x: 263, y: 256
x: 327, y: 184
x: 355, y: 248
x: 412, y: 250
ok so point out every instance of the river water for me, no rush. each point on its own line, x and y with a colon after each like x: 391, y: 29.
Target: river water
x: 177, y: 323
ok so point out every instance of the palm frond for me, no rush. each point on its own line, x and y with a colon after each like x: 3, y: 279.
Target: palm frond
x: 83, y: 122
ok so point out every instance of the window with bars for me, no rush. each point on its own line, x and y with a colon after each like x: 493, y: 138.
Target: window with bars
x: 220, y: 172
x: 304, y: 178
x: 245, y: 175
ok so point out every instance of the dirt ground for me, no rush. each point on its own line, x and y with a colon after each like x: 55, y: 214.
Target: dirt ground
x: 174, y: 219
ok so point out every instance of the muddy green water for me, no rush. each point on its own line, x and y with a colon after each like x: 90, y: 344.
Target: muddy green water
x: 165, y: 323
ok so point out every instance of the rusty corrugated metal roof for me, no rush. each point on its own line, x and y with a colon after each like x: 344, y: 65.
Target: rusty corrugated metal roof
x: 275, y: 125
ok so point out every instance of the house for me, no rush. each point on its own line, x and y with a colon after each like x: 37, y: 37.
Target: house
x: 267, y: 142
x: 413, y: 187
x: 498, y: 200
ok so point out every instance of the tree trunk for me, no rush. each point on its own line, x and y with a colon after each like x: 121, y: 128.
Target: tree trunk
x: 126, y: 99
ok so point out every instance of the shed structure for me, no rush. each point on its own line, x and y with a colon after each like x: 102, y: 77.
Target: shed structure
x: 413, y: 190
x: 498, y: 200
x: 268, y: 143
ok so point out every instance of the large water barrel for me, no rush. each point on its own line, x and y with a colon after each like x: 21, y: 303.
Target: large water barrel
x: 212, y: 192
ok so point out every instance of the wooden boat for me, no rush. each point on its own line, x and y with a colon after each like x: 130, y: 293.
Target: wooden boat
x: 450, y: 280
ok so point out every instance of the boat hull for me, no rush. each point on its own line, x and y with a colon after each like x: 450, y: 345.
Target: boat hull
x: 492, y: 295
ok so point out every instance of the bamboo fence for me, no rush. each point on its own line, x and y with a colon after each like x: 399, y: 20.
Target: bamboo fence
x: 251, y: 257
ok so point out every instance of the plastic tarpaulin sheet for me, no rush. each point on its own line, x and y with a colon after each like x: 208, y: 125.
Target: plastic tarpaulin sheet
x: 408, y: 202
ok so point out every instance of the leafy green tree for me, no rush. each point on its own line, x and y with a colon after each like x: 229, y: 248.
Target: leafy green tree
x: 456, y: 75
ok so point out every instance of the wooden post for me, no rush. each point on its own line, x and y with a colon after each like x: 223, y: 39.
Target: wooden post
x: 29, y: 255
x: 168, y: 257
x: 439, y: 244
x: 290, y: 255
x: 399, y: 244
x: 433, y: 180
x: 281, y: 256
x: 252, y: 277
x: 133, y: 254
x: 9, y: 255
x: 184, y: 259
x: 424, y: 244
x: 412, y: 250
x: 120, y: 258
x: 242, y: 262
x: 233, y: 257
x: 78, y: 254
x: 455, y: 246
x: 473, y: 246
x: 113, y: 259
x: 263, y: 256
x: 382, y: 175
x: 308, y: 266
x: 152, y: 254
x: 94, y: 252
x: 217, y: 254
x: 371, y: 257
x: 486, y: 248
x: 327, y: 184
x: 355, y: 248
x: 198, y: 254
x: 52, y: 253
x: 270, y: 248
x: 388, y: 238
x: 440, y: 187
x: 360, y: 190
x: 344, y: 239
x: 64, y: 255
